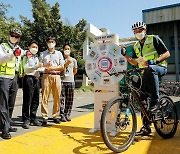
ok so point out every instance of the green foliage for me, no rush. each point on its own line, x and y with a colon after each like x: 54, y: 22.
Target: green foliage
x: 46, y: 22
x: 6, y: 23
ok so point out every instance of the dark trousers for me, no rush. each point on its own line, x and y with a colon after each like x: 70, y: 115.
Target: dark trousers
x: 12, y: 95
x: 8, y: 91
x: 31, y: 88
x: 150, y: 84
x: 67, y: 96
x: 150, y: 81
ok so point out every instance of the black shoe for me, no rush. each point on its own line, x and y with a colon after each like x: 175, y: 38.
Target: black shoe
x: 63, y: 119
x: 57, y: 121
x: 25, y: 125
x: 35, y: 123
x: 6, y: 135
x: 11, y: 129
x: 68, y: 118
x: 145, y: 131
x: 44, y: 122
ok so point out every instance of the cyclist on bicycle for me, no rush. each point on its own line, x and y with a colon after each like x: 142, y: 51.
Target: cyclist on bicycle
x: 149, y: 52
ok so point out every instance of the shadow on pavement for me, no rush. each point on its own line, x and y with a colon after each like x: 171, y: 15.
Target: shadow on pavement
x: 88, y: 140
x: 85, y: 139
x: 165, y: 146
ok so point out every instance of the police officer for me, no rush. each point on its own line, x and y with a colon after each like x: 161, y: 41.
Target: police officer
x: 151, y: 53
x: 9, y: 53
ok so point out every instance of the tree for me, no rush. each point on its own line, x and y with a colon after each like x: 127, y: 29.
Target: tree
x: 47, y: 22
x: 6, y: 23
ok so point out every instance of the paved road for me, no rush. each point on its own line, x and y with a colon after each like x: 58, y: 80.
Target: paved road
x: 81, y: 99
x: 74, y: 137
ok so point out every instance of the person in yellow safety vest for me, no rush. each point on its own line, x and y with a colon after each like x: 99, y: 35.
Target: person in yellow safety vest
x: 151, y: 53
x: 10, y: 54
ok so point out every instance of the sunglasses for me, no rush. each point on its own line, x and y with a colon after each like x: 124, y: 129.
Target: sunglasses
x: 15, y: 36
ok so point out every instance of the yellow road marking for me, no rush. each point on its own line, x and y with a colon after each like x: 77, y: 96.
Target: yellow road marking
x: 74, y: 137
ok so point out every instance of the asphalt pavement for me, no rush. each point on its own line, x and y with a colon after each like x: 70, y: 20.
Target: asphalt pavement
x: 75, y: 137
x: 83, y: 103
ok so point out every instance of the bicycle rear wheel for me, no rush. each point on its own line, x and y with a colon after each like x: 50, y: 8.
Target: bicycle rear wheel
x: 118, y: 124
x: 167, y: 126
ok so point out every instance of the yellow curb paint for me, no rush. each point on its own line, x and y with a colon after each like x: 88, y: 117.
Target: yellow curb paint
x: 74, y: 138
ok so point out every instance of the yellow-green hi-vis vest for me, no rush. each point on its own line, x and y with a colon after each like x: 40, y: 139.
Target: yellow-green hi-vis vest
x: 8, y: 68
x: 148, y: 51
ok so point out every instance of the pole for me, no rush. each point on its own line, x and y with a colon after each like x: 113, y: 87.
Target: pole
x: 176, y: 51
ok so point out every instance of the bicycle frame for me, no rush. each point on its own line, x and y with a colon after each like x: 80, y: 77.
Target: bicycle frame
x: 142, y: 108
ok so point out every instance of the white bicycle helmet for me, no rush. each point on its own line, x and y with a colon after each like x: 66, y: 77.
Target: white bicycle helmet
x: 138, y: 24
x: 15, y: 31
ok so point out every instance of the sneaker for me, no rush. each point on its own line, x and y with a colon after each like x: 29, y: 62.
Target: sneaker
x: 35, y: 123
x: 26, y: 124
x: 11, y: 129
x: 63, y: 119
x: 6, y: 135
x: 68, y: 118
x: 44, y: 122
x: 57, y: 121
x: 144, y: 131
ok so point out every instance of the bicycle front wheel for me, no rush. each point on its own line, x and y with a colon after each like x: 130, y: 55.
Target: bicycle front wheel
x: 167, y: 126
x: 118, y: 124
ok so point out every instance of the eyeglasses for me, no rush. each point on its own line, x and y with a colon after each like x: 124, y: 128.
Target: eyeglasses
x: 15, y: 36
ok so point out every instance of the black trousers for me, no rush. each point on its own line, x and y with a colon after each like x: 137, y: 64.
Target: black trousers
x: 8, y: 91
x: 12, y: 95
x: 31, y: 88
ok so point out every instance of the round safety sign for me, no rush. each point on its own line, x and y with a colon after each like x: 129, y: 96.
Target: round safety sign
x: 103, y: 59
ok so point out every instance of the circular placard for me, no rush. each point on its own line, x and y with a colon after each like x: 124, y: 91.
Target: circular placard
x: 103, y: 59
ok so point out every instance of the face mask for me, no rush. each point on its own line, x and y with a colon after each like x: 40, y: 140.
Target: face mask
x: 140, y: 36
x: 13, y: 40
x: 51, y: 45
x: 67, y: 52
x: 33, y: 50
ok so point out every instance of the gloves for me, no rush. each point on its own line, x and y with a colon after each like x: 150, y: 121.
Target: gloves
x: 28, y: 54
x: 17, y: 52
x: 123, y: 51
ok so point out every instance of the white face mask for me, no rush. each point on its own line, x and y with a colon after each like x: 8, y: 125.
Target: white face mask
x: 33, y: 50
x: 13, y: 40
x: 140, y: 36
x: 67, y: 52
x: 51, y: 45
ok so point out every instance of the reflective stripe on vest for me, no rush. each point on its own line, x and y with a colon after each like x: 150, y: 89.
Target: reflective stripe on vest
x: 148, y: 51
x: 8, y: 68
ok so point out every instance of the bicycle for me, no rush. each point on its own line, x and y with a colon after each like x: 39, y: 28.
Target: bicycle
x: 119, y: 122
x: 171, y: 88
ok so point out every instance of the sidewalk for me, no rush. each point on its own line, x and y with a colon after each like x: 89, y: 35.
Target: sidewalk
x: 81, y: 100
x: 74, y: 137
x: 83, y: 104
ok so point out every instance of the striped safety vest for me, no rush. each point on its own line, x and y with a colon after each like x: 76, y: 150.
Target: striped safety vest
x: 148, y: 52
x: 8, y: 68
